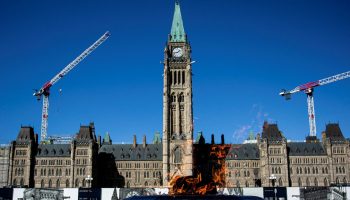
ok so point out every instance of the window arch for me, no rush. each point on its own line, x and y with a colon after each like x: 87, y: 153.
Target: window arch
x: 177, y: 155
x: 307, y: 182
x: 83, y: 182
x: 325, y: 182
x: 247, y: 184
x: 50, y: 183
x: 299, y: 182
x: 67, y: 183
x: 146, y: 183
x: 237, y: 184
x: 14, y: 182
x: 128, y: 184
x: 21, y: 182
x: 337, y: 180
x: 58, y: 183
x: 42, y: 184
x: 344, y: 181
x: 315, y: 182
x: 76, y: 182
x: 280, y: 182
x: 183, y: 77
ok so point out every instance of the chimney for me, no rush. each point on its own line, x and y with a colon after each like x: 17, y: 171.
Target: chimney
x: 134, y: 143
x: 144, y: 141
x: 212, y: 139
x: 222, y: 139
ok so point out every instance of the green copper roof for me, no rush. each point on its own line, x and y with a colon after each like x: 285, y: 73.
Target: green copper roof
x: 177, y: 29
x: 156, y: 139
x: 107, y: 138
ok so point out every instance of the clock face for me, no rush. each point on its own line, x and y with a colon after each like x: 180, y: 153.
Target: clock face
x: 177, y: 52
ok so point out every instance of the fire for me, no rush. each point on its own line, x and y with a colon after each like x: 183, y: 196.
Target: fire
x: 209, y: 172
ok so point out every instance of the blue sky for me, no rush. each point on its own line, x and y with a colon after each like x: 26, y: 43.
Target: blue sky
x: 245, y: 53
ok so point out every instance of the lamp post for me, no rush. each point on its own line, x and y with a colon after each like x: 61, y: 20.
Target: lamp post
x: 273, y: 180
x: 89, y: 180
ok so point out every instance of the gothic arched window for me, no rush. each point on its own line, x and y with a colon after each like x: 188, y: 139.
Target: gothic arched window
x: 50, y: 183
x: 237, y: 183
x: 58, y: 183
x: 316, y: 182
x: 67, y: 183
x: 325, y: 182
x: 177, y: 155
x: 299, y: 182
x: 280, y: 182
x: 307, y: 182
x: 175, y: 78
x: 76, y: 182
x: 183, y: 77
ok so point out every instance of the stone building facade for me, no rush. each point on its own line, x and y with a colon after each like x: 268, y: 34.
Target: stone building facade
x: 53, y: 165
x: 268, y: 160
x: 4, y: 164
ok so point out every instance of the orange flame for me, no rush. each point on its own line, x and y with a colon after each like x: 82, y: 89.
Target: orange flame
x: 210, y: 172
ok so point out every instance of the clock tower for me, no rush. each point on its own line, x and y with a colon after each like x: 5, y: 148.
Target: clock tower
x: 177, y: 103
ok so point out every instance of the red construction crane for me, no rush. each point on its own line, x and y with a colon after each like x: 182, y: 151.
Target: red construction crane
x: 45, y: 89
x: 308, y: 88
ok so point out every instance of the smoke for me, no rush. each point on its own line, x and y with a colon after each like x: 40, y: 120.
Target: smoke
x: 258, y: 116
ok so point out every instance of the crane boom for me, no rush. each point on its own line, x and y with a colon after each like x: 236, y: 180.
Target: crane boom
x: 308, y: 88
x: 313, y: 84
x: 45, y: 89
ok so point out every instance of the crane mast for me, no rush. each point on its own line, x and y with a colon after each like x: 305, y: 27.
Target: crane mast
x: 308, y: 88
x: 45, y: 89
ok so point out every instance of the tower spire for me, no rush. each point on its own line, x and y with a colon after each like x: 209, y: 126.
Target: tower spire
x: 177, y: 29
